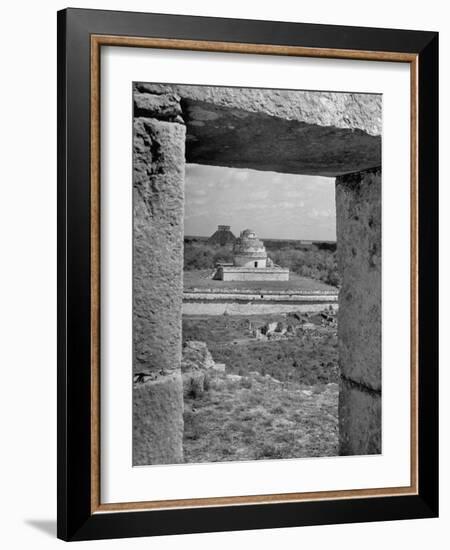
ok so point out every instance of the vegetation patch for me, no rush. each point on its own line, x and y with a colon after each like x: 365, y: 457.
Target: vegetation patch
x: 276, y: 399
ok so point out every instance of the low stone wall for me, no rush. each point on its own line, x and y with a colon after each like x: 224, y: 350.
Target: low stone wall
x: 253, y: 274
x: 233, y: 308
x: 244, y: 303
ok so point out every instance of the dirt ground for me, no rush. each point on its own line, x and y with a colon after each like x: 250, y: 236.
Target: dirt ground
x: 278, y: 395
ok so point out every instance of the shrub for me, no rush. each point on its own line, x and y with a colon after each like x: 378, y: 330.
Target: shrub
x: 204, y: 256
x: 315, y: 264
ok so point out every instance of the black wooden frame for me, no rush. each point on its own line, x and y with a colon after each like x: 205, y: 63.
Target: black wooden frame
x: 75, y: 521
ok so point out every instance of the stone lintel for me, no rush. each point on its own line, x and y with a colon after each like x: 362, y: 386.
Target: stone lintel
x: 286, y: 131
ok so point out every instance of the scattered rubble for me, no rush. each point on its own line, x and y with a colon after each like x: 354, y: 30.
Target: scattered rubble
x: 295, y: 323
x: 196, y: 363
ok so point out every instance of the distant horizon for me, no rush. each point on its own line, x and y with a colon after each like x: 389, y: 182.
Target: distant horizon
x: 284, y: 206
x: 263, y: 238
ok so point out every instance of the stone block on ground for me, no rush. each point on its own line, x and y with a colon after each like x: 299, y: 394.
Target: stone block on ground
x: 158, y: 421
x: 359, y: 420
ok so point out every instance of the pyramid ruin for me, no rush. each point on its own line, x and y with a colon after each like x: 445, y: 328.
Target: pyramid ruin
x: 222, y: 237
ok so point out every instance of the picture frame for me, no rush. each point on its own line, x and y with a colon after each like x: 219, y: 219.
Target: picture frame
x: 81, y: 36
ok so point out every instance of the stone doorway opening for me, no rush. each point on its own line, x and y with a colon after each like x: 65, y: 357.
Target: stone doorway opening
x: 296, y: 132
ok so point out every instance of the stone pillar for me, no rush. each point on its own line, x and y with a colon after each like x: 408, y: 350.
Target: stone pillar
x: 358, y: 212
x: 158, y: 186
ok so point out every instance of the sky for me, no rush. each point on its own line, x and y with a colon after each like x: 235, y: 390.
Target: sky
x: 277, y: 206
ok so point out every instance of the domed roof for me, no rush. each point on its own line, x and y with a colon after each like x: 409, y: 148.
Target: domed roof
x: 248, y: 234
x: 248, y: 244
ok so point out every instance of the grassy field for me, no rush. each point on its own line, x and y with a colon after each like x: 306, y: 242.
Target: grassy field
x: 277, y: 397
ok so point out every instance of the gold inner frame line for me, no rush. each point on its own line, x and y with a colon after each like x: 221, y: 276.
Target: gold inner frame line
x: 97, y: 41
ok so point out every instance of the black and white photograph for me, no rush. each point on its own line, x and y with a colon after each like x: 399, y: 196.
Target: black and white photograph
x: 224, y: 291
x: 257, y: 218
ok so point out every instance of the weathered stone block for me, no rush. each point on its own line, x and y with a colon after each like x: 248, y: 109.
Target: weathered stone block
x: 158, y: 187
x: 195, y: 368
x: 163, y: 107
x: 158, y: 421
x: 359, y: 420
x: 358, y: 208
x: 158, y: 244
x: 289, y: 131
x: 331, y: 109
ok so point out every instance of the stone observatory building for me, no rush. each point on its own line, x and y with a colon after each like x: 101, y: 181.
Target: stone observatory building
x: 250, y: 262
x: 249, y: 251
